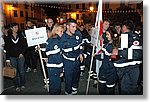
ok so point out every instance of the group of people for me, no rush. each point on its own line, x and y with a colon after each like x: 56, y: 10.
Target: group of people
x: 68, y: 51
x: 120, y: 64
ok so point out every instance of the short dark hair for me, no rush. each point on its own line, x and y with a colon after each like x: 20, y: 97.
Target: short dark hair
x: 107, y: 20
x: 117, y: 24
x: 11, y: 25
x: 5, y: 27
x: 29, y: 21
x: 112, y: 31
x: 129, y: 24
x: 71, y: 20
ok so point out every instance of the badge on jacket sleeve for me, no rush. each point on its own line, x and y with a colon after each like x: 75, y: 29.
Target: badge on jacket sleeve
x: 56, y: 47
x: 136, y: 43
x: 77, y: 37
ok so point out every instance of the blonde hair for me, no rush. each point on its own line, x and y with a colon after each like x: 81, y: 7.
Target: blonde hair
x: 55, y: 29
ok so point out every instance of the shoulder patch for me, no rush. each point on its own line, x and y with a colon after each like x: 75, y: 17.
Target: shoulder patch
x: 56, y: 47
x: 136, y: 43
x: 77, y: 37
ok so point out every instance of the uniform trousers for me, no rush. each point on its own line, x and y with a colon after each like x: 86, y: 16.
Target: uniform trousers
x: 107, y: 79
x: 54, y: 81
x: 128, y: 79
x: 72, y: 74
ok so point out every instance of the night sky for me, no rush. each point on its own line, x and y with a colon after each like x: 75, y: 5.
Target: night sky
x: 52, y: 12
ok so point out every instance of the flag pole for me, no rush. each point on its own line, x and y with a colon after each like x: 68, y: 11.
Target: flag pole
x: 97, y: 26
x: 43, y: 69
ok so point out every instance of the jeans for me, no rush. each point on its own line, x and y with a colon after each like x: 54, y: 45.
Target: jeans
x: 18, y: 63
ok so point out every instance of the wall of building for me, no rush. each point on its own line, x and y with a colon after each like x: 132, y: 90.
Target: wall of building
x: 32, y: 12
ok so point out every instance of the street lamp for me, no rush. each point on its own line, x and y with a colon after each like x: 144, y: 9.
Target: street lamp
x: 91, y: 8
x: 45, y: 20
x: 73, y: 15
x: 61, y: 20
x: 10, y: 8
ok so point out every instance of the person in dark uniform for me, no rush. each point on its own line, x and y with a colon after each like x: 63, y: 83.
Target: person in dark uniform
x: 139, y: 32
x: 86, y: 38
x: 72, y: 56
x: 87, y: 50
x: 106, y: 25
x: 49, y: 27
x: 107, y: 73
x: 129, y: 61
x: 55, y: 60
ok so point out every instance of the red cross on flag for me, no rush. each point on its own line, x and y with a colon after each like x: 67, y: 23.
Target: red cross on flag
x: 99, y: 25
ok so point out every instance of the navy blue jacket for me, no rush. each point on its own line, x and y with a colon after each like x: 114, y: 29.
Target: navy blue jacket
x: 71, y: 45
x: 108, y: 47
x: 107, y: 65
x: 105, y: 38
x: 86, y: 38
x: 53, y: 51
x: 131, y: 55
x: 43, y: 50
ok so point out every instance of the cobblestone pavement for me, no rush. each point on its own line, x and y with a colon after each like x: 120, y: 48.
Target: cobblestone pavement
x: 35, y: 86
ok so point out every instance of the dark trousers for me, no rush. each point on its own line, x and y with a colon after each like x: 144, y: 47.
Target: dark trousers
x: 93, y: 73
x: 31, y: 59
x: 107, y: 84
x: 107, y: 78
x: 54, y: 81
x: 128, y: 79
x: 72, y: 74
x: 104, y: 90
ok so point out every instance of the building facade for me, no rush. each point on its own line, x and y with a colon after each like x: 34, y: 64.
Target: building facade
x: 21, y: 12
x: 86, y: 12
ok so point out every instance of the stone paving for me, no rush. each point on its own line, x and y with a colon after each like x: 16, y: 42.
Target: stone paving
x: 35, y: 86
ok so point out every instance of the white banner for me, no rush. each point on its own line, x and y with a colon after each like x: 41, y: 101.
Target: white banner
x: 36, y: 36
x: 124, y: 41
x: 94, y: 36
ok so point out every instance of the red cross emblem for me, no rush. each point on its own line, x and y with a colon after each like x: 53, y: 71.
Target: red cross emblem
x: 136, y: 43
